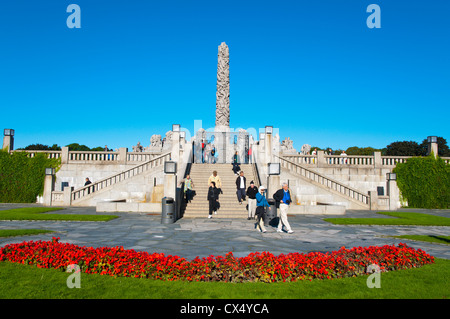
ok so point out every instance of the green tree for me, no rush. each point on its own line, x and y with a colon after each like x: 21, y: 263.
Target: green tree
x: 355, y: 150
x: 78, y: 147
x: 403, y: 148
x: 443, y: 149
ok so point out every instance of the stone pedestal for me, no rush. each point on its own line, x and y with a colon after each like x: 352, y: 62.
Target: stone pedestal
x: 433, y: 149
x: 49, y: 186
x: 273, y: 185
x: 394, y: 194
x: 170, y: 185
x: 8, y: 143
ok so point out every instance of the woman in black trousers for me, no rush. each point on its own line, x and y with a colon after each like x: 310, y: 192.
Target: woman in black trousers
x: 213, y: 197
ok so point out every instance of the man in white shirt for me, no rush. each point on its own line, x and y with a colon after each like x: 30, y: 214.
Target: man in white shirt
x: 240, y: 185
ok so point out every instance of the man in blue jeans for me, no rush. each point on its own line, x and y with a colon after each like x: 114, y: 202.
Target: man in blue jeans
x: 283, y: 200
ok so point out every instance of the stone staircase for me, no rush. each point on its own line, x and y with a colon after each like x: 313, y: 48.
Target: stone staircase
x: 229, y: 205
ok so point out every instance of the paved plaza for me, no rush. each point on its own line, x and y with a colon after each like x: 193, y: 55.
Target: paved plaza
x: 190, y: 237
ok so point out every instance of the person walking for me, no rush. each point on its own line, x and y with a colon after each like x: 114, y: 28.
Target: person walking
x: 213, y: 198
x: 88, y: 182
x: 188, y: 188
x: 240, y: 186
x: 261, y: 204
x: 252, y: 190
x: 236, y: 163
x: 283, y: 200
x: 216, y: 179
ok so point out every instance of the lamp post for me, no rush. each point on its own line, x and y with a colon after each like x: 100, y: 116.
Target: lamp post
x: 8, y: 139
x: 432, y: 145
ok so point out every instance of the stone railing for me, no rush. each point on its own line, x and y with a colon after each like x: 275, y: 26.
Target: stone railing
x: 51, y: 154
x: 363, y: 161
x: 77, y: 156
x: 57, y: 197
x: 95, y: 157
x: 82, y: 192
x: 139, y: 157
x: 326, y: 182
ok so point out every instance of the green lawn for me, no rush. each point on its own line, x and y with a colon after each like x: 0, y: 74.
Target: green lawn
x: 37, y: 213
x: 402, y: 218
x: 428, y: 238
x: 22, y: 232
x: 22, y: 281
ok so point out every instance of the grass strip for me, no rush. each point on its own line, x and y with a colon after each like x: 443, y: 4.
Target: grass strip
x: 29, y: 282
x: 427, y: 238
x: 401, y: 218
x: 38, y: 213
x: 22, y: 232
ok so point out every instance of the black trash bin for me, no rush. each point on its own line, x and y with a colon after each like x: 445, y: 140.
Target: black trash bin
x: 271, y: 213
x: 168, y: 211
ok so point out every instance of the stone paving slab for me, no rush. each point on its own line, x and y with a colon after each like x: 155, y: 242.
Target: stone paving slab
x: 203, y: 237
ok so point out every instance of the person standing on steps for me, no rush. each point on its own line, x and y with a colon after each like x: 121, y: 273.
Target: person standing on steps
x: 240, y: 186
x: 213, y: 198
x: 188, y: 188
x: 283, y: 200
x: 261, y: 204
x: 252, y: 190
x: 216, y: 179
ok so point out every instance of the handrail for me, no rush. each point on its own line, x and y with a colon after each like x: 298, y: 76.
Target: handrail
x: 116, y: 178
x: 327, y: 182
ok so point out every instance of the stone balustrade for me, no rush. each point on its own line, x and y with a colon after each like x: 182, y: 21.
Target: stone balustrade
x: 139, y: 157
x: 324, y: 181
x: 82, y: 192
x: 51, y: 154
x: 77, y: 156
x: 94, y: 157
x: 57, y: 198
x: 363, y: 161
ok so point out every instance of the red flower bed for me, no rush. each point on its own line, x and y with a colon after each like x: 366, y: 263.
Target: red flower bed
x: 116, y: 261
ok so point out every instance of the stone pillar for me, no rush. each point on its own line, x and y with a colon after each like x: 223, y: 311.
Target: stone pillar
x: 273, y: 185
x: 123, y: 155
x: 373, y: 200
x: 268, y: 148
x: 64, y: 155
x: 321, y: 159
x: 223, y: 87
x: 170, y: 185
x: 68, y: 195
x: 175, y: 152
x: 394, y: 194
x: 49, y: 186
x: 432, y: 146
x: 8, y: 143
x: 377, y: 162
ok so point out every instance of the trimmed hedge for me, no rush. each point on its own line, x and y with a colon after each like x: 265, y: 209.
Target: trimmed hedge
x: 424, y: 182
x: 22, y: 177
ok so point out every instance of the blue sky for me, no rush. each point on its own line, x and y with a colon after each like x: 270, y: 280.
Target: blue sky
x: 313, y: 69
